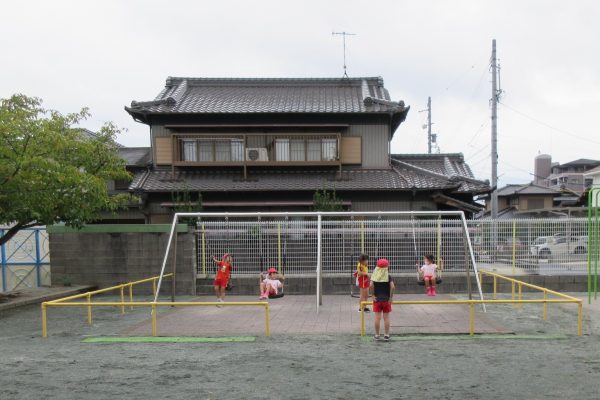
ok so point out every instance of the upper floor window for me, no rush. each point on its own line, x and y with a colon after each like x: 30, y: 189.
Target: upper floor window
x: 209, y: 150
x: 258, y: 148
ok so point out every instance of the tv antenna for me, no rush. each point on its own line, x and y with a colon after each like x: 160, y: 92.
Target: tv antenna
x: 344, y: 34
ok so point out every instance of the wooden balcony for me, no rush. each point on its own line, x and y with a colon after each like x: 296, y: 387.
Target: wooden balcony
x: 256, y: 150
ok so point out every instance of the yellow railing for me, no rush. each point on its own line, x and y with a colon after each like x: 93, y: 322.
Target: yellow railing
x: 67, y: 302
x: 518, y: 302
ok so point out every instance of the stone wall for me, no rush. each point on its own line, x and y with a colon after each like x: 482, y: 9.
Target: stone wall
x: 107, y: 255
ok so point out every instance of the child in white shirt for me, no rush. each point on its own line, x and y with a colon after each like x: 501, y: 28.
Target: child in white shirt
x: 428, y: 272
x: 270, y: 285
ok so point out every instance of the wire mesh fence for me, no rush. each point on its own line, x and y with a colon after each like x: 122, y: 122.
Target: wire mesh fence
x: 532, y: 246
x: 290, y: 244
x: 520, y: 246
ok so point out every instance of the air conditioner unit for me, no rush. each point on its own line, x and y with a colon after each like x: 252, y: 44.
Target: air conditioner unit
x: 256, y: 154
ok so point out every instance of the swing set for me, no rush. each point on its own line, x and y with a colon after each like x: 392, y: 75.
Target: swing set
x: 382, y: 231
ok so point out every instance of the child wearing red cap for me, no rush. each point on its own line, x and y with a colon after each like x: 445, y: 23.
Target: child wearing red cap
x: 271, y: 284
x: 383, y: 291
x: 223, y: 275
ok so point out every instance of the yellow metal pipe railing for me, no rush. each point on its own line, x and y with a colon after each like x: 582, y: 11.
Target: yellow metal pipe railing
x: 530, y: 285
x: 153, y: 306
x: 108, y: 289
x: 472, y: 304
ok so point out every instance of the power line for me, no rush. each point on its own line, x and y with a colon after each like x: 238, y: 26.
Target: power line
x: 548, y: 125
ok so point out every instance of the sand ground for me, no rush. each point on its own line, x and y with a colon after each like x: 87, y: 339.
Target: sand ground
x: 555, y: 365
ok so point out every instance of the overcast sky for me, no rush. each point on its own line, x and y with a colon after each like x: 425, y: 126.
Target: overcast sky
x: 103, y: 54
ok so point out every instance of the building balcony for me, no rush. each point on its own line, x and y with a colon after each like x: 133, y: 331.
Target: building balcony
x: 256, y: 150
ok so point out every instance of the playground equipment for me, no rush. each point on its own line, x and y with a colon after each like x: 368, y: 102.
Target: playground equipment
x: 318, y: 239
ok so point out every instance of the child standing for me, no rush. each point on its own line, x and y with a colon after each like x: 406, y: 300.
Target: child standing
x: 383, y: 292
x: 271, y: 284
x: 428, y: 271
x: 223, y: 275
x: 362, y: 280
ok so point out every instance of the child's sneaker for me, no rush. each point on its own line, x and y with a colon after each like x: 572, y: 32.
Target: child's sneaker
x: 367, y: 309
x: 376, y: 338
x: 386, y: 338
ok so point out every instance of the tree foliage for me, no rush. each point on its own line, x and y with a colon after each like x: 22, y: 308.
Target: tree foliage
x: 50, y: 171
x: 326, y: 200
x: 183, y: 202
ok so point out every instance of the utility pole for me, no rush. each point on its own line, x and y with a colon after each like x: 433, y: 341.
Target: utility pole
x: 429, y: 125
x: 495, y: 94
x: 344, y: 34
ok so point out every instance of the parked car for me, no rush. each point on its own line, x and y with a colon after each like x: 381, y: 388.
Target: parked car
x: 546, y: 246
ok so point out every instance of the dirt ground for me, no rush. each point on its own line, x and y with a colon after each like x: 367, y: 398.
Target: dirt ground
x: 555, y: 365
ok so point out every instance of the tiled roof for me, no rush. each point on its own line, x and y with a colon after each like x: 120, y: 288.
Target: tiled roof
x: 527, y: 188
x: 271, y: 95
x: 135, y: 156
x: 406, y: 174
x: 232, y: 181
x: 446, y: 166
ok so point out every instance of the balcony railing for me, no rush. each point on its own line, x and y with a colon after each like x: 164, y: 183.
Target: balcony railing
x: 256, y: 149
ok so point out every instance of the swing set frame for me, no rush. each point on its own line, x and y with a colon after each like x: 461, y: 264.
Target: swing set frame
x: 171, y: 249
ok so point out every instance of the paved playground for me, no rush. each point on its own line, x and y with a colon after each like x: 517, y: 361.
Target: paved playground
x: 542, y: 360
x: 296, y: 315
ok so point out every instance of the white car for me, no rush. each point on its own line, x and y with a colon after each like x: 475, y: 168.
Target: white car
x: 546, y: 246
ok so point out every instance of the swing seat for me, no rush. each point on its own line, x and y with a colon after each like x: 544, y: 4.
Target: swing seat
x: 277, y: 296
x: 421, y: 282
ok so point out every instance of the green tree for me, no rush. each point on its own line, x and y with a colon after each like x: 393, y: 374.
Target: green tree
x: 50, y: 171
x: 326, y: 200
x: 183, y: 202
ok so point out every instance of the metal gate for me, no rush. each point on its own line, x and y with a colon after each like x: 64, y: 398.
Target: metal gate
x: 25, y: 260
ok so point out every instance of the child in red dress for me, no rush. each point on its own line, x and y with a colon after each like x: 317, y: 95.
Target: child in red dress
x: 223, y: 275
x: 362, y: 279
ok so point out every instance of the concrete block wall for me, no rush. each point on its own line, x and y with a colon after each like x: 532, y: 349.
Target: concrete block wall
x: 110, y: 258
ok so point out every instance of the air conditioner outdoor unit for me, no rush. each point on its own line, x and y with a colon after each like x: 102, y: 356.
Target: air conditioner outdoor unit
x: 257, y: 154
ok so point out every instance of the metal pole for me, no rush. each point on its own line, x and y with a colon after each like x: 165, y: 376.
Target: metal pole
x: 267, y: 324
x: 472, y: 254
x: 362, y: 318
x: 494, y: 208
x: 471, y: 319
x: 154, y: 319
x: 3, y: 263
x: 44, y: 321
x: 121, y: 289
x: 174, y: 267
x: 38, y: 260
x: 164, y: 263
x: 319, y: 282
x: 203, y: 251
x: 429, y: 125
x: 89, y: 309
x: 279, y: 247
x: 514, y: 247
x: 131, y: 295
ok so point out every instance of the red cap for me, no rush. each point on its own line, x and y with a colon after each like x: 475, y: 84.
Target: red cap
x: 383, y: 263
x: 271, y: 270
